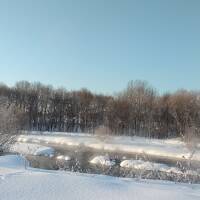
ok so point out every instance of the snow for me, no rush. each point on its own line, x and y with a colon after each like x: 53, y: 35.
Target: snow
x: 102, y: 160
x: 170, y: 148
x: 56, y: 133
x: 62, y: 157
x: 146, y: 165
x: 43, y: 184
x: 12, y: 161
x: 31, y: 149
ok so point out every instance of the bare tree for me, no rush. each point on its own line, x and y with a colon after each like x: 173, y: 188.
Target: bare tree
x: 137, y: 110
x: 10, y: 120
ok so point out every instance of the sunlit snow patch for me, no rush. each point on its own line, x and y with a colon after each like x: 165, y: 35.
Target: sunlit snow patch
x: 102, y: 160
x: 146, y: 165
x: 62, y: 157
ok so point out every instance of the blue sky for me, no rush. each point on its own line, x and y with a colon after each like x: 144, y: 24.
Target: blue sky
x: 101, y: 44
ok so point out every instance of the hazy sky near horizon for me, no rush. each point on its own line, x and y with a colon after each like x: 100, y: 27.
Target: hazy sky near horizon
x: 101, y: 44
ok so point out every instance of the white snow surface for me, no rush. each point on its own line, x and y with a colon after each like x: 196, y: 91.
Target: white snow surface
x: 62, y: 157
x: 12, y: 161
x: 102, y: 160
x: 146, y: 165
x: 31, y: 149
x: 171, y: 148
x: 21, y: 184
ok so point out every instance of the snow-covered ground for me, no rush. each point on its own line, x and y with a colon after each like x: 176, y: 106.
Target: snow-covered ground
x: 19, y: 183
x: 102, y: 160
x: 171, y: 148
x: 150, y: 166
x: 31, y: 149
x: 146, y: 165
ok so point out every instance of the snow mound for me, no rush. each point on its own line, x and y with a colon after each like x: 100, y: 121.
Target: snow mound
x: 44, y: 151
x: 32, y: 149
x: 145, y: 165
x: 102, y: 160
x: 62, y: 157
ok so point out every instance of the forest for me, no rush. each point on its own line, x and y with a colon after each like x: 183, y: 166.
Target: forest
x: 137, y: 110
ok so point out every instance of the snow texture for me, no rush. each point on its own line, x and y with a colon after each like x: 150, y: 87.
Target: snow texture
x: 38, y: 184
x: 31, y: 149
x: 62, y: 157
x: 146, y: 165
x: 102, y: 160
x: 170, y: 148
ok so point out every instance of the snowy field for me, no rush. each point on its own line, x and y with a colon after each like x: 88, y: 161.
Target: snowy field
x: 20, y: 183
x: 169, y: 148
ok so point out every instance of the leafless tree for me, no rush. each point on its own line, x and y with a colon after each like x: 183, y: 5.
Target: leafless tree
x: 10, y: 121
x: 137, y: 110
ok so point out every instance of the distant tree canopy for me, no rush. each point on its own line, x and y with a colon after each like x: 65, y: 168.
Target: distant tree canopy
x: 137, y: 110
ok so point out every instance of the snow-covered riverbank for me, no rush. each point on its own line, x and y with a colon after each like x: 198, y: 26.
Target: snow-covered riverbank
x: 169, y: 148
x: 21, y: 184
x: 31, y: 149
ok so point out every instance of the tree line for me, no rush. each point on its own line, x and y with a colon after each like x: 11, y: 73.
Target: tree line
x: 137, y: 110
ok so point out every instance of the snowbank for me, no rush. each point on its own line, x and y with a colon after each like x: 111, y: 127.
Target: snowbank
x: 31, y: 149
x: 150, y: 166
x: 146, y: 165
x: 102, y: 160
x: 170, y: 148
x: 42, y: 184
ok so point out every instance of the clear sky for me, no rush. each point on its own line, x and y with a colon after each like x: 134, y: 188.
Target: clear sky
x: 101, y: 44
